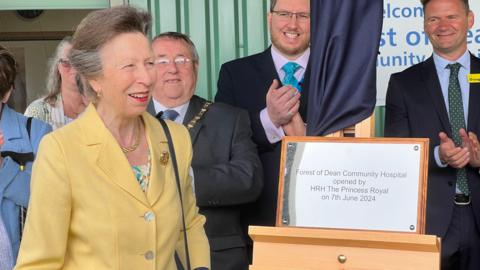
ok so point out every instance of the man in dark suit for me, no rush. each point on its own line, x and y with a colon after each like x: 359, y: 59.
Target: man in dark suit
x: 434, y: 99
x: 253, y: 83
x: 227, y: 172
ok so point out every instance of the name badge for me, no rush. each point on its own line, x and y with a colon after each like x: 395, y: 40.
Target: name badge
x: 474, y: 78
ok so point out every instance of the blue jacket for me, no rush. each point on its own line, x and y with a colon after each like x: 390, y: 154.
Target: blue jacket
x: 14, y: 183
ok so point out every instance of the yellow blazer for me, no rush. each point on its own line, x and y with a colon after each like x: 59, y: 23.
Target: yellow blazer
x: 87, y: 210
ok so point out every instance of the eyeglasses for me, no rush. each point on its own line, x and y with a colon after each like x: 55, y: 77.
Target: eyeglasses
x: 179, y: 61
x: 65, y: 62
x: 287, y: 15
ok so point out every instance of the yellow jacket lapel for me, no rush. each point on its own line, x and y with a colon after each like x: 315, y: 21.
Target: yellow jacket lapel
x: 159, y: 157
x: 110, y: 158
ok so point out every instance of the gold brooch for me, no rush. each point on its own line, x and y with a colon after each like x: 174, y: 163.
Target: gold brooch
x: 164, y: 158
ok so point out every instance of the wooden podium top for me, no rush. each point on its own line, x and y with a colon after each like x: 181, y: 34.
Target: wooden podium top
x: 346, y: 238
x: 294, y: 248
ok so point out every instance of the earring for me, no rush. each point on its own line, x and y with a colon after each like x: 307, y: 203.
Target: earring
x: 99, y: 94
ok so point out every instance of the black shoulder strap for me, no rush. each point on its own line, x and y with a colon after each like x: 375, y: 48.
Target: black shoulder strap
x: 21, y: 158
x: 29, y: 126
x: 179, y: 188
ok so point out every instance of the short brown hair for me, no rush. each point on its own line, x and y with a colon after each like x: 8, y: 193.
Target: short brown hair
x: 8, y: 71
x: 97, y: 29
x: 465, y: 3
x: 272, y: 4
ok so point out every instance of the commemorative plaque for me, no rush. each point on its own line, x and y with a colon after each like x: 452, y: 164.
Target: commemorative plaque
x: 353, y: 183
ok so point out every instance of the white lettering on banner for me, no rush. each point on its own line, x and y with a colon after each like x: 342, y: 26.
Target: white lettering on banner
x: 393, y: 11
x: 403, y: 42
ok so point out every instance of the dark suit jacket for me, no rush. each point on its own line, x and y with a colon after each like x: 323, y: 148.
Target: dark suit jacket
x: 244, y: 83
x: 227, y: 173
x: 415, y: 108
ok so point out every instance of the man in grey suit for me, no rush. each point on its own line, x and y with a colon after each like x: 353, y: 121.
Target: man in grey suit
x: 226, y: 169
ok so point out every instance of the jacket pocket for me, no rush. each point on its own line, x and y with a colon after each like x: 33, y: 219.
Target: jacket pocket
x: 226, y: 242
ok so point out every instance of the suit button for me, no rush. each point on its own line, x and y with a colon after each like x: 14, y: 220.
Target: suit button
x: 149, y: 216
x: 149, y: 255
x: 450, y: 183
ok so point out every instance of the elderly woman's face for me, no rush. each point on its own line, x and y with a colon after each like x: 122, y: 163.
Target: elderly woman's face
x: 67, y: 72
x: 128, y: 75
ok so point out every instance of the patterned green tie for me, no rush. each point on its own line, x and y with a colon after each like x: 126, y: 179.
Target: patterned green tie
x: 457, y: 119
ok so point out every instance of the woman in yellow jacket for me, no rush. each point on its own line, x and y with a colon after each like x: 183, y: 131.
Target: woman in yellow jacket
x: 103, y: 192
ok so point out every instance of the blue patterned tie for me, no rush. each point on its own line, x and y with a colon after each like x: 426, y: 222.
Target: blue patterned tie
x: 290, y: 68
x: 170, y: 115
x: 457, y: 119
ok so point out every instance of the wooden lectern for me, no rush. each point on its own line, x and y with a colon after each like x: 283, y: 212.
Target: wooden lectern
x: 282, y: 248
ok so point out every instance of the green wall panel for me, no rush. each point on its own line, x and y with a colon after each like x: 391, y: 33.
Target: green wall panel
x: 53, y: 4
x: 222, y: 30
x: 379, y: 120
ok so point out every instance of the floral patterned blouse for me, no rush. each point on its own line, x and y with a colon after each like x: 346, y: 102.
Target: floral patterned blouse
x: 142, y: 174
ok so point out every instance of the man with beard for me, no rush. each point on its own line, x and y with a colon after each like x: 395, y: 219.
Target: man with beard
x: 269, y: 86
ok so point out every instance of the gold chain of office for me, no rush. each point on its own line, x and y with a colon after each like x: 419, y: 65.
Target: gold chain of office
x: 199, y: 115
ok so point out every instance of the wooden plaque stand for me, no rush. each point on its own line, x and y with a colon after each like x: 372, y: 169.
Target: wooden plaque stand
x: 365, y: 129
x: 296, y: 248
x: 281, y: 248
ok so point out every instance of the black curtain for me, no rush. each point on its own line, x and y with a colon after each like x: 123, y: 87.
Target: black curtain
x: 344, y: 47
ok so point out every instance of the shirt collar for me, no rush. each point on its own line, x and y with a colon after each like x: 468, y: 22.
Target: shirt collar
x: 182, y: 109
x: 441, y: 63
x: 279, y: 60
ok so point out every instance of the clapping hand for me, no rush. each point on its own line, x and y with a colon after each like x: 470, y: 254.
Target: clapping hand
x: 282, y: 103
x: 474, y: 148
x: 455, y: 156
x: 459, y: 157
x: 296, y: 127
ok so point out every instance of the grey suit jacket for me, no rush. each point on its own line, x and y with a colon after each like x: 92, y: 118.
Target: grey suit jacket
x: 228, y: 174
